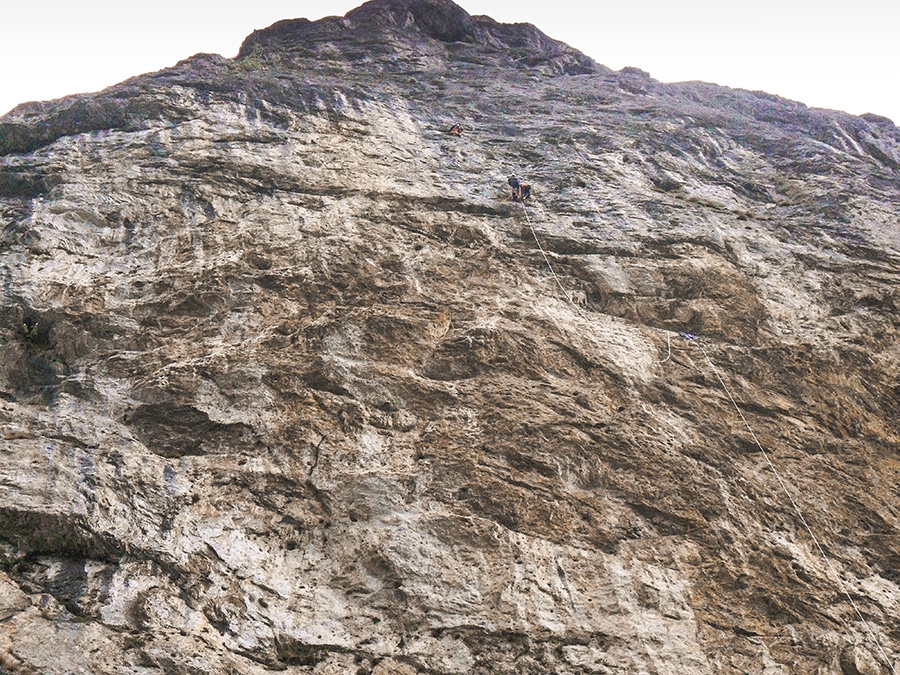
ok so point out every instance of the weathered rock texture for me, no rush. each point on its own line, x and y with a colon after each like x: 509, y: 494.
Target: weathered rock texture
x: 287, y: 384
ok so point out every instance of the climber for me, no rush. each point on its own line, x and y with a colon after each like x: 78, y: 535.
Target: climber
x: 520, y: 191
x: 456, y: 130
x: 30, y: 329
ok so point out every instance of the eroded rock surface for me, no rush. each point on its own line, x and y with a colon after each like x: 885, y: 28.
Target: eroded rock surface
x: 286, y: 383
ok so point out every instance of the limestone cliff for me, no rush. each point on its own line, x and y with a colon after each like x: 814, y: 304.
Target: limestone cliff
x: 287, y: 383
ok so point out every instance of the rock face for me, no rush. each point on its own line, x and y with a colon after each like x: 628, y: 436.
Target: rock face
x: 286, y: 383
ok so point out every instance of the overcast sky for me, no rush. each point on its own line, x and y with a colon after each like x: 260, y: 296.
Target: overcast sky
x: 843, y: 55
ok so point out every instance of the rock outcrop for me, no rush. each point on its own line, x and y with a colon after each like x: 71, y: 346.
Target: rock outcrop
x: 287, y: 383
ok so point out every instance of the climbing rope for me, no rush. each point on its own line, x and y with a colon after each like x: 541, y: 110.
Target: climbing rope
x: 549, y: 266
x: 566, y: 293
x: 669, y: 345
x: 793, y: 502
x: 832, y: 569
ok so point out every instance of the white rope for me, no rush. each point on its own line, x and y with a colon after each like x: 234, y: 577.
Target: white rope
x: 781, y: 481
x: 549, y: 266
x: 669, y: 345
x: 809, y: 530
x: 566, y: 293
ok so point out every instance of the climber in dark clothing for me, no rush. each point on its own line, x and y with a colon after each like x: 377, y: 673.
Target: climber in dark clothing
x: 520, y: 191
x: 524, y: 192
x: 456, y: 130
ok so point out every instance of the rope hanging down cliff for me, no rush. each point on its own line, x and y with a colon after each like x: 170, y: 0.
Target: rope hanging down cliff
x: 781, y: 481
x: 566, y: 293
x: 797, y: 510
x: 550, y: 267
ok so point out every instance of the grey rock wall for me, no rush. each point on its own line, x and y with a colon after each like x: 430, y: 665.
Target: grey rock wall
x: 286, y: 382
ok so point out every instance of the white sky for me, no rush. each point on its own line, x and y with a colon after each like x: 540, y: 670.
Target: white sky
x: 826, y: 54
